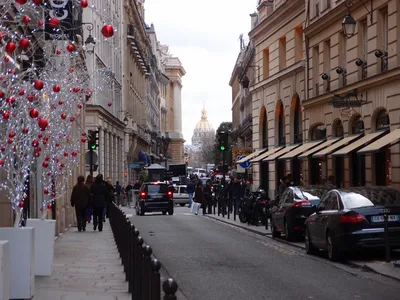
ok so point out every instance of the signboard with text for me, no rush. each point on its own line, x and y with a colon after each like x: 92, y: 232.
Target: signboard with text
x: 62, y: 10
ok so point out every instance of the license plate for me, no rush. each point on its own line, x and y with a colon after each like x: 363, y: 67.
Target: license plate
x: 391, y: 218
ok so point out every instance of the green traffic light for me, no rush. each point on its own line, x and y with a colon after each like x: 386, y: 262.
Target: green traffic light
x: 222, y: 148
x: 93, y: 147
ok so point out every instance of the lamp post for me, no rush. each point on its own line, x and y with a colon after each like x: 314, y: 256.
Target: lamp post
x: 90, y: 43
x: 349, y: 24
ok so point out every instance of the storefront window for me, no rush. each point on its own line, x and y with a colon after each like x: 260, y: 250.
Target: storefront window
x: 281, y: 126
x: 298, y: 137
x: 319, y: 133
x: 382, y: 120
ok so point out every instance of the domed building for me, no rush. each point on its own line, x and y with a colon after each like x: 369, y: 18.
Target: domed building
x: 203, y: 130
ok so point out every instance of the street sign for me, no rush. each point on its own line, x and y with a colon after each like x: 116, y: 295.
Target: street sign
x: 134, y: 165
x: 94, y: 158
x: 246, y: 164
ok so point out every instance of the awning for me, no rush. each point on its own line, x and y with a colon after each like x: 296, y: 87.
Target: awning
x: 319, y: 147
x: 252, y: 155
x: 281, y: 152
x: 265, y: 155
x: 382, y: 142
x: 368, y: 138
x: 341, y: 143
x: 300, y: 150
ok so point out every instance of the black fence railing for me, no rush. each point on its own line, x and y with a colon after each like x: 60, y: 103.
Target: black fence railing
x: 142, y: 271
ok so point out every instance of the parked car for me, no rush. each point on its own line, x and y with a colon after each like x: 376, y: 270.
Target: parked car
x: 181, y: 196
x: 154, y: 197
x: 292, y: 210
x: 353, y: 218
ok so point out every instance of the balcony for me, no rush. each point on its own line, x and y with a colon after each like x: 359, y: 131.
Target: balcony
x: 139, y: 54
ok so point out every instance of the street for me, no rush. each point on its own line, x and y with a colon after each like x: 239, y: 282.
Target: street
x: 212, y: 260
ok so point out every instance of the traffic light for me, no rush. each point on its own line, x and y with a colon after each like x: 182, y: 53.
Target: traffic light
x: 223, y: 141
x: 93, y: 136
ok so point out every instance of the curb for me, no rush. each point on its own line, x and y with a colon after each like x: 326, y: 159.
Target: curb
x: 361, y: 266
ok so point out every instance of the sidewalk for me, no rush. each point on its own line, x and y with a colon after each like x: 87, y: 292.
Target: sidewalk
x: 377, y: 266
x: 86, y: 267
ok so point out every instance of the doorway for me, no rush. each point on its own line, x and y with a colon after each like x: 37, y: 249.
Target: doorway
x: 380, y: 168
x: 280, y: 171
x: 339, y: 172
x: 264, y: 176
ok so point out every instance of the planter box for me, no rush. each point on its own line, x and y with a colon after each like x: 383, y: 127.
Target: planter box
x: 4, y: 270
x: 45, y: 231
x: 21, y: 253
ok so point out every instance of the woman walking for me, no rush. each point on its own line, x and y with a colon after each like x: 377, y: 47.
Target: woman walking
x: 101, y: 197
x: 199, y: 197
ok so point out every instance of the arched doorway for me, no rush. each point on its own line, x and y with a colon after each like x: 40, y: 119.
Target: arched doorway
x: 280, y: 140
x: 318, y: 165
x: 338, y: 161
x: 382, y: 157
x: 357, y: 161
x: 264, y: 170
x: 297, y: 138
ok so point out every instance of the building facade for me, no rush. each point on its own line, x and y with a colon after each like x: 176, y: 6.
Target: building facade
x: 104, y: 108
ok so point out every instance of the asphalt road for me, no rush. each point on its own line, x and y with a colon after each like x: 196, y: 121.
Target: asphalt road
x: 211, y: 260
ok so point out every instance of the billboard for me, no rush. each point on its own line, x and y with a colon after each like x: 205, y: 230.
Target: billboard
x: 64, y: 11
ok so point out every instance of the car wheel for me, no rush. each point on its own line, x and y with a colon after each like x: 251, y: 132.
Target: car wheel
x: 274, y: 232
x: 182, y: 204
x: 164, y: 212
x: 142, y: 211
x: 310, y: 248
x: 171, y: 211
x: 334, y: 252
x: 289, y: 234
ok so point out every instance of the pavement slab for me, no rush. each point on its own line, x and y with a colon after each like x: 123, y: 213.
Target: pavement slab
x: 86, y: 267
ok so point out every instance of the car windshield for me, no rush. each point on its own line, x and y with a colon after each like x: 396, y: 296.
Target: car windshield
x: 312, y: 195
x: 157, y: 188
x: 371, y: 197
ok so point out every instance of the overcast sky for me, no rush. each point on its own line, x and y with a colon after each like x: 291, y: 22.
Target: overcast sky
x: 205, y: 36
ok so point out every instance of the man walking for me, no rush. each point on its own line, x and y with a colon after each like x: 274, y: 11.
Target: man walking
x: 101, y: 196
x: 80, y: 200
x: 190, y: 190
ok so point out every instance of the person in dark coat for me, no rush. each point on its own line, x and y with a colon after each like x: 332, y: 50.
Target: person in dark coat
x: 208, y: 197
x: 236, y: 193
x: 80, y: 200
x: 199, y: 196
x: 101, y: 197
x: 89, y: 182
x: 190, y: 188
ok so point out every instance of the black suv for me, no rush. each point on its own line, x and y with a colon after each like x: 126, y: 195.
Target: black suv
x: 154, y: 196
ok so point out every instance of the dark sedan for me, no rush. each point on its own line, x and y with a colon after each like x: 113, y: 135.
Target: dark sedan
x: 154, y: 197
x: 353, y: 218
x: 293, y: 208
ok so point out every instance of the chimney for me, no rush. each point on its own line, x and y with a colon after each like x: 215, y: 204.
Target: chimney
x: 254, y: 20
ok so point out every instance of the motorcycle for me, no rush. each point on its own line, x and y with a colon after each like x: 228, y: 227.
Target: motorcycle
x: 262, y: 207
x: 249, y: 208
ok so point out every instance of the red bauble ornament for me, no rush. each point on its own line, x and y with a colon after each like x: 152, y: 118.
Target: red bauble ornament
x: 26, y: 20
x: 56, y: 89
x: 107, y: 31
x: 84, y: 3
x: 75, y: 89
x: 47, y: 158
x: 1, y: 94
x: 3, y: 148
x: 6, y: 59
x: 72, y: 119
x: 74, y: 153
x: 79, y: 105
x: 10, y: 141
x: 35, y: 143
x: 71, y: 69
x: 45, y: 164
x: 43, y: 124
x: 21, y: 92
x: 11, y: 134
x: 83, y: 133
x: 65, y: 153
x: 83, y: 140
x: 6, y: 115
x: 57, y: 144
x: 1, y: 162
x: 22, y: 2
x: 37, y: 154
x: 21, y: 204
x: 34, y: 113
x: 70, y: 48
x: 109, y: 103
x: 31, y: 97
x: 40, y: 23
x: 54, y: 22
x: 40, y: 135
x: 37, y: 2
x: 58, y: 51
x: 24, y: 43
x: 10, y: 100
x: 63, y: 116
x: 10, y: 47
x: 46, y: 192
x: 26, y: 130
x: 39, y: 84
x: 49, y: 205
x: 60, y: 102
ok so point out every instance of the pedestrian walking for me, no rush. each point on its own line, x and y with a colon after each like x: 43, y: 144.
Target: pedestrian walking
x: 190, y: 188
x: 101, y: 197
x: 208, y: 197
x: 89, y: 211
x: 118, y: 192
x: 111, y: 191
x: 199, y: 198
x: 236, y: 193
x: 80, y: 200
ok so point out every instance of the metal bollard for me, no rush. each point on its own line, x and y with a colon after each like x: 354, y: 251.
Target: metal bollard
x: 132, y: 239
x: 138, y: 269
x: 387, y: 246
x: 155, y: 285
x: 146, y: 272
x: 128, y: 248
x: 234, y: 209
x: 170, y: 287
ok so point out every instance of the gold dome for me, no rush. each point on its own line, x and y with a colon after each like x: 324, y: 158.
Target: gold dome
x: 204, y: 125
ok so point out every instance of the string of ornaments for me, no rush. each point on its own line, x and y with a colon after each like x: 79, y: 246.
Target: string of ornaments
x: 44, y: 84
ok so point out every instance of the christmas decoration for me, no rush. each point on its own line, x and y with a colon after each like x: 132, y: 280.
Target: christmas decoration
x: 37, y: 96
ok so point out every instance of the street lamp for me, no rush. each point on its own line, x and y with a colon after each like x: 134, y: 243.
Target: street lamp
x: 349, y: 24
x: 90, y: 43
